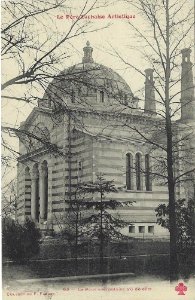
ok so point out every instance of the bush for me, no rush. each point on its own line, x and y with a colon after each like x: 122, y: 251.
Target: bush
x: 20, y: 242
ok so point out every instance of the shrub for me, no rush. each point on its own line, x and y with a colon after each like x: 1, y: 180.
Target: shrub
x: 20, y: 242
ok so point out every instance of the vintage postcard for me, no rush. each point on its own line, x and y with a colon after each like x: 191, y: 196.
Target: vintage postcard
x: 98, y: 149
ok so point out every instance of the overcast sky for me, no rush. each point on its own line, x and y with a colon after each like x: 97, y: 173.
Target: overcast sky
x: 119, y: 35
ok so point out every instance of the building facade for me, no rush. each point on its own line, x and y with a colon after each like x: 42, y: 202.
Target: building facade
x: 89, y: 123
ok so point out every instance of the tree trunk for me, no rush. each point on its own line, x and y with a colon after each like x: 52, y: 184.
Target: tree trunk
x: 172, y: 213
x: 101, y: 238
x: 172, y: 223
x: 69, y: 158
x: 171, y: 182
x: 76, y: 244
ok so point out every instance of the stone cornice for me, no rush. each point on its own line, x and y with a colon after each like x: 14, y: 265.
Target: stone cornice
x: 132, y: 117
x: 105, y: 138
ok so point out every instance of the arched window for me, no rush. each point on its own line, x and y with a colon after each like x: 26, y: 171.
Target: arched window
x: 148, y: 182
x: 101, y: 96
x: 138, y: 171
x: 129, y: 171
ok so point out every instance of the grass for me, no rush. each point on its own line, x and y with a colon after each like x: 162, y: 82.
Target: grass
x: 54, y: 260
x: 138, y: 256
x: 67, y: 267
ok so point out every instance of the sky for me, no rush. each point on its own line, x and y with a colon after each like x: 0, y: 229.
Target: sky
x: 118, y: 36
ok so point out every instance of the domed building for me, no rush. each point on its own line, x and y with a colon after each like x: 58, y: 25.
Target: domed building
x: 86, y: 84
x: 89, y: 123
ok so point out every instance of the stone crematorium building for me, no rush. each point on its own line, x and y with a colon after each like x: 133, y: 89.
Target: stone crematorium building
x: 88, y: 123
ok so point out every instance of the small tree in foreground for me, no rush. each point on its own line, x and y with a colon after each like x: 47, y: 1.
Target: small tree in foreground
x: 20, y: 242
x: 74, y: 232
x: 102, y: 224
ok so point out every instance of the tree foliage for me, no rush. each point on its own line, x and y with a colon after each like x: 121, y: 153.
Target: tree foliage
x: 184, y: 219
x: 91, y: 219
x: 20, y: 242
x: 101, y: 224
x: 105, y: 224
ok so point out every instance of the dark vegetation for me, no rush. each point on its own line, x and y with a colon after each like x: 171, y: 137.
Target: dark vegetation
x: 184, y: 221
x: 53, y: 257
x: 20, y: 242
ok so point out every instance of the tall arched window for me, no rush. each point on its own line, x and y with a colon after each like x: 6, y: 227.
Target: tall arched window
x: 147, y: 173
x: 138, y: 171
x: 101, y: 96
x: 129, y: 171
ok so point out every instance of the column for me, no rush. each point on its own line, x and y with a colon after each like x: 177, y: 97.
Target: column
x: 43, y: 190
x: 49, y: 203
x: 34, y: 196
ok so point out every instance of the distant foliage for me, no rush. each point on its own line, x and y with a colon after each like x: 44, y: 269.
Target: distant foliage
x: 184, y: 219
x: 20, y: 242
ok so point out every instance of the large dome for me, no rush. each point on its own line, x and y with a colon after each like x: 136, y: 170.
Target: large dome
x: 88, y: 83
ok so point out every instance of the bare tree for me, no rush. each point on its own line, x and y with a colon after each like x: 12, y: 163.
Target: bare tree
x: 166, y: 32
x: 9, y: 200
x: 19, y: 39
x: 33, y: 51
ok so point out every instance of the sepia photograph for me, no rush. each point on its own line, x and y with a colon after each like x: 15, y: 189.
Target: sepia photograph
x: 98, y: 149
